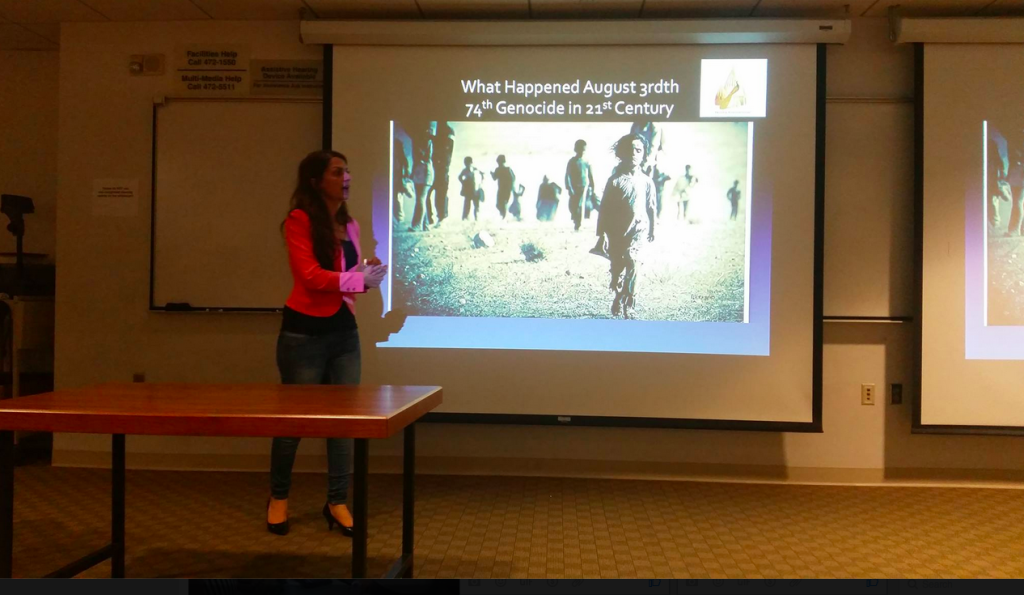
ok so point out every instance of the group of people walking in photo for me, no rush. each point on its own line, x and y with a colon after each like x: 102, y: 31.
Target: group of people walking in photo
x: 423, y: 175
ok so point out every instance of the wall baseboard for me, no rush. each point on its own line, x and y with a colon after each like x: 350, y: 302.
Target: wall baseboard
x: 1001, y: 478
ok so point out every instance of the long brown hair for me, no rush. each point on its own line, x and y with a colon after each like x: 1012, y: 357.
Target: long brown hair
x: 307, y: 198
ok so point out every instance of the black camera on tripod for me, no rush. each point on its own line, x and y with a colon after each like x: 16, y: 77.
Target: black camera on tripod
x: 16, y: 207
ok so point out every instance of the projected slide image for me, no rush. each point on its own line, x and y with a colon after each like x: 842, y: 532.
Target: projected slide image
x: 550, y: 220
x: 1004, y: 212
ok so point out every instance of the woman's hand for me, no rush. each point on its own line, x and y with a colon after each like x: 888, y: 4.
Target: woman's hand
x: 359, y: 268
x: 373, y: 275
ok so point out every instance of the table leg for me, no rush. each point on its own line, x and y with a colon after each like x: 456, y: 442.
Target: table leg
x: 408, y: 496
x: 6, y: 504
x: 359, y: 513
x: 117, y: 507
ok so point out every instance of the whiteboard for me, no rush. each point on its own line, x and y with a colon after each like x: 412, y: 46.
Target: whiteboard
x: 223, y: 173
x: 869, y: 209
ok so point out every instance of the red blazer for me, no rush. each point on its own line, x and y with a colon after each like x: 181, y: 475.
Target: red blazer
x: 317, y: 291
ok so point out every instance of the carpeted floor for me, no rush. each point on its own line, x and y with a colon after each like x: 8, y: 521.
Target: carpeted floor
x: 207, y: 524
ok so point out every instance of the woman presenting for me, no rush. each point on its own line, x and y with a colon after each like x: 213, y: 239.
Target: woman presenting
x: 319, y: 341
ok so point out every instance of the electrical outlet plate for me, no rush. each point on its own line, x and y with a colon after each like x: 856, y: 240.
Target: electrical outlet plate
x: 896, y: 391
x: 867, y: 394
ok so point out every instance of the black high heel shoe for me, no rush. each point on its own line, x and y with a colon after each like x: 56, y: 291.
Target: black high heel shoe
x: 277, y: 528
x: 331, y: 521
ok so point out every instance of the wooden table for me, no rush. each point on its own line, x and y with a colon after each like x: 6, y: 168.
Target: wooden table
x: 359, y: 412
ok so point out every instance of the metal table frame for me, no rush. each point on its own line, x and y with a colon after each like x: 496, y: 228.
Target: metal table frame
x: 115, y: 550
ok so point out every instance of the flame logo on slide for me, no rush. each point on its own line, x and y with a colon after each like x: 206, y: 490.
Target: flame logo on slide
x: 730, y: 94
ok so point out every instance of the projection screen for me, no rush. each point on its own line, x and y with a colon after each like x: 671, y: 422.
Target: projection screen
x: 590, y: 234
x: 973, y: 253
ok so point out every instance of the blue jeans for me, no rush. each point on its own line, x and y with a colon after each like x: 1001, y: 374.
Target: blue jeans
x: 305, y: 359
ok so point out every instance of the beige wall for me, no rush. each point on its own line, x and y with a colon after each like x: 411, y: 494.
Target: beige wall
x: 28, y: 142
x: 104, y: 331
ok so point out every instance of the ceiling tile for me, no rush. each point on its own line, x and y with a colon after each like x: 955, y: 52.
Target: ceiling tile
x: 49, y: 31
x: 585, y: 9
x: 47, y: 11
x: 928, y: 8
x: 365, y: 9
x: 703, y: 9
x: 1004, y: 7
x: 16, y: 37
x: 147, y: 10
x: 475, y: 8
x: 252, y: 10
x: 812, y: 9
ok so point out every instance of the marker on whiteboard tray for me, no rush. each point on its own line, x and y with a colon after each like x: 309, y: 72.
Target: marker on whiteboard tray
x: 179, y: 307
